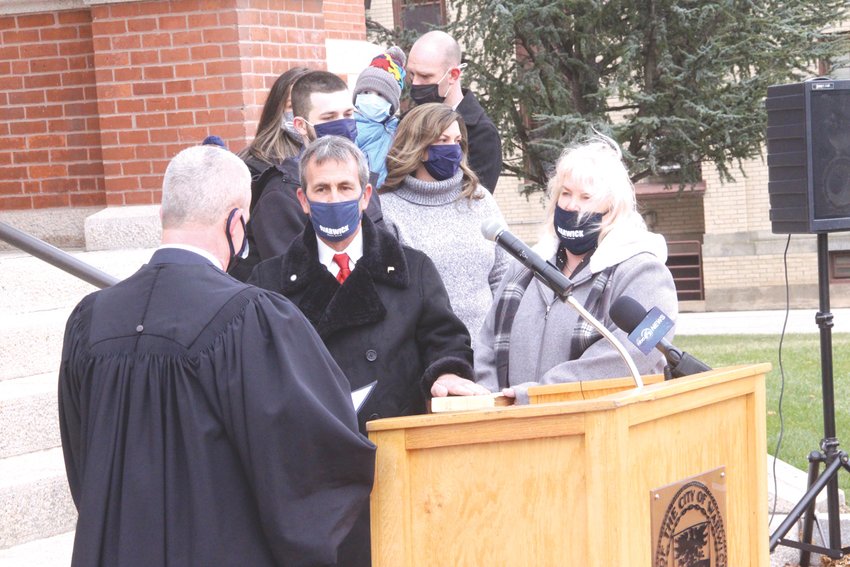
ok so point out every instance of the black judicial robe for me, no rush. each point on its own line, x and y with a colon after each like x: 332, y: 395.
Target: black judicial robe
x: 204, y: 424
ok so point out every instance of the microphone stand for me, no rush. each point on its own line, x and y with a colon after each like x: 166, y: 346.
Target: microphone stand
x: 605, y: 333
x: 565, y: 293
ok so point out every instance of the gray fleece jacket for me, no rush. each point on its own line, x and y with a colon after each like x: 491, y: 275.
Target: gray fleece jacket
x: 539, y: 348
x: 429, y: 217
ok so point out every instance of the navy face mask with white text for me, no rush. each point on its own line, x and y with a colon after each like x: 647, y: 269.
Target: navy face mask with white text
x: 335, y: 221
x: 578, y: 237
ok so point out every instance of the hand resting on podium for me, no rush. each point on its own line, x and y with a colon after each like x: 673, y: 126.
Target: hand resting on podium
x: 454, y: 385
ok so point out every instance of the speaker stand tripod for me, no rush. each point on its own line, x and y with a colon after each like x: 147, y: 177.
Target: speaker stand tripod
x: 829, y: 454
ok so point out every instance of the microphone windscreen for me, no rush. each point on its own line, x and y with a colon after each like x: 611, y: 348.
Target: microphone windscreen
x: 491, y: 228
x: 627, y: 313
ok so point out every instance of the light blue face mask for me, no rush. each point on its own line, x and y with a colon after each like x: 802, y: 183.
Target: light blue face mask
x: 373, y: 106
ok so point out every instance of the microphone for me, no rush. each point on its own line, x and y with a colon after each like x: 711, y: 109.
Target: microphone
x: 647, y: 330
x: 494, y: 230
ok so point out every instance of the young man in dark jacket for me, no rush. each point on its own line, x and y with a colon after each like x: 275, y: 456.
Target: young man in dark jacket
x: 321, y: 105
x: 380, y: 307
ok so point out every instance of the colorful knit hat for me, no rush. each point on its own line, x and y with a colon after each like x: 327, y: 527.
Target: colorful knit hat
x: 385, y: 76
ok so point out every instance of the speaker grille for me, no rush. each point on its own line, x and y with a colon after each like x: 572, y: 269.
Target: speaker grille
x: 808, y: 156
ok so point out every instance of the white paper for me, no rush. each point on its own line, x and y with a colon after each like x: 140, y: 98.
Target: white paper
x: 358, y: 396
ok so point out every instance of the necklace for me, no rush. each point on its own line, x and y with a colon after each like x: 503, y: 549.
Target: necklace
x: 572, y: 269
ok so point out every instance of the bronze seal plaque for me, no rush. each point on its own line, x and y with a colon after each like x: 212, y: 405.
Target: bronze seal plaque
x: 689, y: 522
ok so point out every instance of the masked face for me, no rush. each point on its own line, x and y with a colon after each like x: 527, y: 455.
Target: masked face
x: 344, y: 127
x: 577, y: 235
x: 373, y: 106
x: 286, y: 122
x: 443, y: 161
x: 335, y: 221
x: 333, y: 198
x: 243, y: 249
x: 422, y: 94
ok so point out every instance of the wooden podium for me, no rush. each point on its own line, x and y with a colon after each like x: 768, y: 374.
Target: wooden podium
x: 571, y: 483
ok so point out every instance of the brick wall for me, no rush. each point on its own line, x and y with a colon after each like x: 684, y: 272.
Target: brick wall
x: 344, y: 19
x: 170, y: 73
x: 677, y: 217
x: 49, y: 134
x: 523, y: 215
x: 96, y: 101
x: 743, y: 260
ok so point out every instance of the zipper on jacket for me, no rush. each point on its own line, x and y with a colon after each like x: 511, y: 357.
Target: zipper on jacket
x: 543, y: 334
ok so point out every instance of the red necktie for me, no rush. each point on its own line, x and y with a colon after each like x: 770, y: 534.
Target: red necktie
x: 344, y: 271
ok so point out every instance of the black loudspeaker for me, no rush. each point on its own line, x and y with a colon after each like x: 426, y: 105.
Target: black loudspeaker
x: 808, y: 156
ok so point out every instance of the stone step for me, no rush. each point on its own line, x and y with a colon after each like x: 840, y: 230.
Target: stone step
x: 34, y: 498
x: 52, y: 551
x: 29, y: 415
x: 31, y: 343
x: 791, y: 485
x: 29, y: 284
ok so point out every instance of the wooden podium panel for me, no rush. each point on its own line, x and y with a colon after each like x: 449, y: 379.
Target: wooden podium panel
x: 568, y: 483
x: 572, y: 391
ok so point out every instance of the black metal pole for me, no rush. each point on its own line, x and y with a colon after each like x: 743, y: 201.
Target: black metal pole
x: 55, y: 257
x: 829, y: 445
x: 830, y: 455
x: 807, y: 500
x: 815, y: 459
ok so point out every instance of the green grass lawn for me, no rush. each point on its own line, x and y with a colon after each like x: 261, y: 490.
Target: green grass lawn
x: 802, y: 406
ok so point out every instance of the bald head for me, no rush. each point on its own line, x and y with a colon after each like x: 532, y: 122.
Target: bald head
x: 437, y: 47
x: 435, y: 60
x: 201, y: 185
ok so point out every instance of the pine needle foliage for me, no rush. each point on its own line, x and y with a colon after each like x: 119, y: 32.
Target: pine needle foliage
x: 678, y: 83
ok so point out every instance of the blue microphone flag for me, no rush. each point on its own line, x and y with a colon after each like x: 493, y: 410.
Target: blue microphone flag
x: 651, y: 330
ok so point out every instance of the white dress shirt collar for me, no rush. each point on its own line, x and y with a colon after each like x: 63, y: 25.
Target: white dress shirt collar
x: 354, y: 251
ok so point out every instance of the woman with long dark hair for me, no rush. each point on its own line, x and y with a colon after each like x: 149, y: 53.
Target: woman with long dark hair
x: 436, y: 204
x: 276, y: 139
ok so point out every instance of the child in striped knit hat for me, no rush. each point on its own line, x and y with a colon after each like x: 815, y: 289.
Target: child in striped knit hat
x: 376, y: 98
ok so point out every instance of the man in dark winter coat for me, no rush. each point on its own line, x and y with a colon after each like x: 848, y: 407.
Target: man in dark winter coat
x: 380, y: 307
x: 202, y: 420
x: 321, y: 105
x: 434, y: 69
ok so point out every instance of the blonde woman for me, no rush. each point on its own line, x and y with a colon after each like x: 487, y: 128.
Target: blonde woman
x: 436, y: 205
x: 595, y: 235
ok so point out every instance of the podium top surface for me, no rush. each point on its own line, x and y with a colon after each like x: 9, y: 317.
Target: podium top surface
x: 606, y: 403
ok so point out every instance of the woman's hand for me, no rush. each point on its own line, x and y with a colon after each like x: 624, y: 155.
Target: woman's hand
x: 454, y: 385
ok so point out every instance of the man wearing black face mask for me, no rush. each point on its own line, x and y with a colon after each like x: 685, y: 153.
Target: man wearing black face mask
x: 192, y: 405
x: 434, y: 69
x: 380, y: 307
x: 321, y: 105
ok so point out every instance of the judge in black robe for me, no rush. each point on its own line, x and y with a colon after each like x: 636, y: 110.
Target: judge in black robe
x: 204, y: 424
